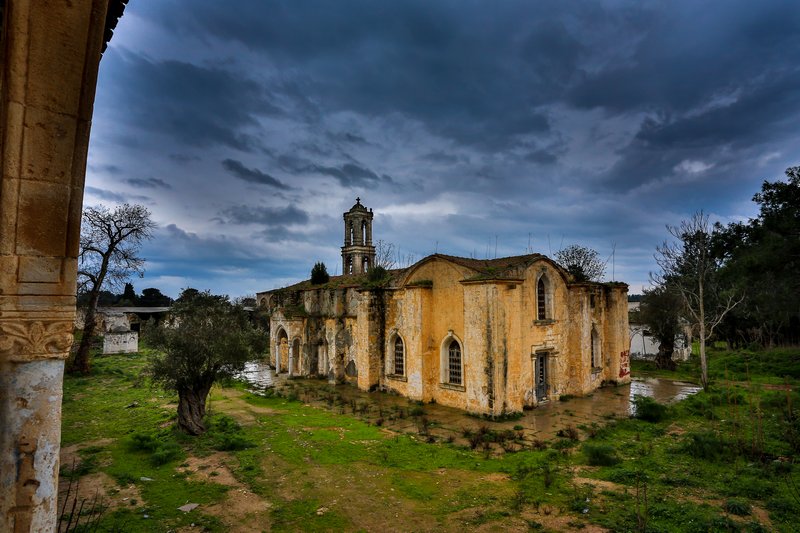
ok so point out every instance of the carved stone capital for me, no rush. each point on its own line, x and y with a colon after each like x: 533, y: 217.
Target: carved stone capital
x: 36, y: 339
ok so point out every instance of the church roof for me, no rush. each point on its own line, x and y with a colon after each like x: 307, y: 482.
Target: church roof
x: 497, y: 265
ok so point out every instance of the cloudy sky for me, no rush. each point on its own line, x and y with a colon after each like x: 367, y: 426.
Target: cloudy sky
x: 472, y: 128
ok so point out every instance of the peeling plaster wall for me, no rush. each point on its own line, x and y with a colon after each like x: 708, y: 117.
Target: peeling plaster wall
x: 30, y: 393
x: 494, y: 321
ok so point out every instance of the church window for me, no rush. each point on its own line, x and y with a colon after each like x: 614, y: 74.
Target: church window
x: 399, y: 357
x: 454, y: 363
x: 364, y: 232
x: 351, y: 234
x: 541, y: 299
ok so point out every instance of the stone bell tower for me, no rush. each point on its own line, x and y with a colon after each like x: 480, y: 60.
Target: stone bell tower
x: 358, y: 254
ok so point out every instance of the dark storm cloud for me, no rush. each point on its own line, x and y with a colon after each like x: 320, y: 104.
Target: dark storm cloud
x: 195, y: 105
x: 268, y: 216
x: 598, y: 121
x: 110, y: 169
x: 693, y: 51
x: 150, y: 183
x: 470, y: 77
x: 252, y: 175
x: 112, y: 196
x: 175, y: 242
x: 351, y: 175
x: 347, y: 174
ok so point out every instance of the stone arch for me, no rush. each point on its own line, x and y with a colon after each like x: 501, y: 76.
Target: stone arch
x: 281, y: 349
x: 450, y: 373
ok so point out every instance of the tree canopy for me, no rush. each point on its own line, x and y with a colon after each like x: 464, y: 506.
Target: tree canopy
x: 207, y: 338
x: 583, y: 263
x: 319, y: 274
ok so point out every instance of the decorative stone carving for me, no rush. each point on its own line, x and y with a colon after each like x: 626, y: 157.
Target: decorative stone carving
x: 29, y: 341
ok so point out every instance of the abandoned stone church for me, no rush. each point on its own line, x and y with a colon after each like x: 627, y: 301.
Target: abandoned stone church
x: 488, y: 336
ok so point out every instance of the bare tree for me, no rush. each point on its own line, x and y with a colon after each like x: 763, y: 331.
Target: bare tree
x: 583, y: 263
x: 109, y: 244
x: 385, y: 255
x: 690, y: 267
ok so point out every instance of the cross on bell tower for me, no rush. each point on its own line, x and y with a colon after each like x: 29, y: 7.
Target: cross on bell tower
x: 358, y: 254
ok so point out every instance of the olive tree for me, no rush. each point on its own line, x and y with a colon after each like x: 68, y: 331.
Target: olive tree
x: 108, y: 256
x: 205, y: 339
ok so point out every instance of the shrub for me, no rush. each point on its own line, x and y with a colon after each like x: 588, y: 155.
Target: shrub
x: 144, y: 442
x: 165, y: 453
x: 647, y: 409
x: 568, y: 432
x: 705, y: 445
x: 600, y: 454
x: 737, y: 507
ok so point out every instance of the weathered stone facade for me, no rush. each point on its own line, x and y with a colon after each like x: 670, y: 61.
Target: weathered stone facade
x: 487, y: 336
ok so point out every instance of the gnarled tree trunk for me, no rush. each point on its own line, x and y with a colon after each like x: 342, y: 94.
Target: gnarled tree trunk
x: 664, y: 360
x: 81, y: 365
x: 192, y: 409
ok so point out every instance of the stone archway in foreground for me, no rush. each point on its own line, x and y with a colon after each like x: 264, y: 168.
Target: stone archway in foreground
x: 48, y: 73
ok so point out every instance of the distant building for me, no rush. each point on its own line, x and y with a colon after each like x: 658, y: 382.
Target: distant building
x: 488, y: 336
x: 645, y: 346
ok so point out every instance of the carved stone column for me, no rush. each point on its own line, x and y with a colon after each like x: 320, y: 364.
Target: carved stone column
x: 50, y: 55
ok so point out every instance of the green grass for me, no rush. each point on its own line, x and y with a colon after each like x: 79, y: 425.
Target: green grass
x: 706, y: 462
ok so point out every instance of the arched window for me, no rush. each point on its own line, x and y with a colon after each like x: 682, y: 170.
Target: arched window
x: 365, y: 264
x: 541, y: 299
x: 363, y: 232
x: 454, y: 363
x: 399, y: 357
x: 351, y: 234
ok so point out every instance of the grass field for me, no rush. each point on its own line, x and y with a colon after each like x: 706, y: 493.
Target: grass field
x: 719, y: 461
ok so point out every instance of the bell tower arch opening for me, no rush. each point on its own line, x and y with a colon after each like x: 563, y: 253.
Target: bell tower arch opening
x: 358, y: 253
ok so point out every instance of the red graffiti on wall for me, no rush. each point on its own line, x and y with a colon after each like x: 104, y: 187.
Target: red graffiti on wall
x: 624, y: 363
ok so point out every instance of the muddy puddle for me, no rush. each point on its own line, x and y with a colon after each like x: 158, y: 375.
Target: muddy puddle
x: 543, y: 422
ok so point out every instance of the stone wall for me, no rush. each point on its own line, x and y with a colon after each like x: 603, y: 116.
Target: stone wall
x: 122, y: 342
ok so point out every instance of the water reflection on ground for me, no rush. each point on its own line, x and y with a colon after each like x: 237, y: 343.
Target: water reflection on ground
x: 540, y: 423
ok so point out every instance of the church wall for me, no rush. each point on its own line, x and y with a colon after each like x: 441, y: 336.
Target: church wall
x: 347, y: 334
x: 554, y: 336
x: 407, y: 312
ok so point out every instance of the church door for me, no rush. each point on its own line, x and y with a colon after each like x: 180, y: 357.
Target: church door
x: 541, y: 376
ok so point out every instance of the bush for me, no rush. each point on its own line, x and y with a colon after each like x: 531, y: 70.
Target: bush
x: 417, y: 410
x: 600, y: 454
x: 647, y: 409
x: 737, y: 507
x: 165, y: 453
x: 568, y: 432
x: 377, y: 275
x: 705, y: 445
x: 161, y: 452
